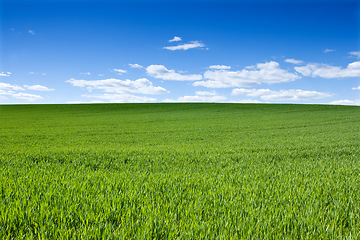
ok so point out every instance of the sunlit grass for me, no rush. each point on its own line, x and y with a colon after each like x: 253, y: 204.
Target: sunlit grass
x: 179, y: 171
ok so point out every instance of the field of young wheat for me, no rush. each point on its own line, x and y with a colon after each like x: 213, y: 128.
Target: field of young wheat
x: 179, y: 171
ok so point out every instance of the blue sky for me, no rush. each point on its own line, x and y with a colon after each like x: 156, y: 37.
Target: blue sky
x: 180, y: 51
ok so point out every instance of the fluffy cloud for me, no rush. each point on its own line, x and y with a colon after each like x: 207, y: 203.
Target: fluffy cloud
x: 186, y: 46
x: 346, y: 102
x: 356, y: 54
x: 197, y: 99
x: 293, y: 61
x: 5, y: 74
x: 112, y: 85
x: 119, y: 71
x: 12, y: 91
x: 122, y: 98
x: 268, y: 73
x: 161, y: 72
x: 38, y: 88
x: 219, y: 67
x: 327, y: 71
x: 7, y: 86
x: 135, y: 65
x: 175, y: 39
x: 356, y: 88
x: 282, y: 95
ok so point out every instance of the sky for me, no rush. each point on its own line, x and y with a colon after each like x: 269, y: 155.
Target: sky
x: 137, y: 51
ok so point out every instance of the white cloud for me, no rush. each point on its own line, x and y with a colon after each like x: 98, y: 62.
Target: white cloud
x: 268, y: 73
x: 248, y: 101
x: 327, y: 50
x: 346, y: 102
x: 356, y: 88
x: 26, y: 96
x: 197, y: 99
x: 85, y: 102
x: 119, y: 71
x: 219, y: 67
x: 34, y: 73
x: 356, y: 54
x: 327, y: 71
x: 175, y: 39
x: 186, y: 46
x: 112, y: 85
x: 6, y: 86
x: 31, y: 32
x: 38, y: 88
x: 135, y: 65
x: 11, y: 90
x: 122, y: 98
x: 5, y: 74
x: 293, y: 61
x: 85, y: 73
x: 205, y: 93
x: 282, y: 95
x: 161, y: 72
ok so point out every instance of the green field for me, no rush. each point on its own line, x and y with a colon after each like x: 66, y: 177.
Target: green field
x: 179, y: 171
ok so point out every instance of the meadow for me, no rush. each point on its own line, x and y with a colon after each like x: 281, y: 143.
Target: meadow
x: 179, y: 171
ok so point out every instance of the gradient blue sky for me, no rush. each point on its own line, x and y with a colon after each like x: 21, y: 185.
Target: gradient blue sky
x: 224, y: 51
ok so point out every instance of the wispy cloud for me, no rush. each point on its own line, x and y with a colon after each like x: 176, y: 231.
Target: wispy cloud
x: 5, y: 74
x: 34, y: 73
x: 119, y: 71
x: 327, y: 71
x: 38, y: 88
x: 356, y: 54
x: 27, y: 96
x: 31, y: 32
x: 122, y: 98
x: 268, y: 73
x: 219, y: 67
x: 197, y: 99
x: 293, y: 61
x: 161, y: 72
x: 175, y: 39
x: 205, y: 93
x: 327, y: 50
x: 282, y: 95
x: 135, y: 65
x: 112, y: 85
x: 356, y: 88
x: 186, y: 46
x: 85, y: 73
x: 346, y: 102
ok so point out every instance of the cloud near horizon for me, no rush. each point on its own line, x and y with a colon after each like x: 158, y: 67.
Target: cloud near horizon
x: 262, y: 73
x: 282, y: 95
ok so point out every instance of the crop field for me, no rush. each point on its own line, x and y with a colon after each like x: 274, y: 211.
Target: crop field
x: 179, y: 171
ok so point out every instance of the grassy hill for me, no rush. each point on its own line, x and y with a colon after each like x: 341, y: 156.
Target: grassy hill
x: 179, y: 171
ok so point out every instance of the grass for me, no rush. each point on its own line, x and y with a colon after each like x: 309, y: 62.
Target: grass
x: 179, y: 171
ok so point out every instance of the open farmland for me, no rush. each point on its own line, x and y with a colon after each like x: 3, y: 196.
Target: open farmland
x: 179, y: 171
